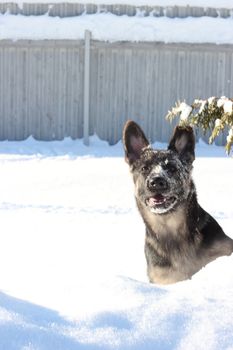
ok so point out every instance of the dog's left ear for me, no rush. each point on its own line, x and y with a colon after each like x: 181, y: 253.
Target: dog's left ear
x: 183, y: 142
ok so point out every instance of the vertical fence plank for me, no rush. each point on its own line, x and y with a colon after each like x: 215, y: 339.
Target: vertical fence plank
x: 86, y: 87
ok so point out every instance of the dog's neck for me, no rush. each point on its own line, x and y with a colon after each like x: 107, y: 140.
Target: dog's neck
x: 170, y: 223
x: 177, y: 223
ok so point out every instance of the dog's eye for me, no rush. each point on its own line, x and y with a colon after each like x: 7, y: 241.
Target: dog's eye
x: 171, y: 169
x: 145, y: 168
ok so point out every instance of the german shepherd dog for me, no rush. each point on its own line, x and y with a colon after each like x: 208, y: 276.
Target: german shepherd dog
x: 181, y: 237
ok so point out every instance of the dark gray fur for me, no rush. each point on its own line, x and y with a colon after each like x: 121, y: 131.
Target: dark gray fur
x: 181, y: 237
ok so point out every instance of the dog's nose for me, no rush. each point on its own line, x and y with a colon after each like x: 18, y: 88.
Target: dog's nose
x: 157, y: 183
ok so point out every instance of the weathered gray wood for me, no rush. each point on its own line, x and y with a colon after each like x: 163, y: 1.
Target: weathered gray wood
x: 86, y: 88
x: 41, y: 89
x: 42, y: 86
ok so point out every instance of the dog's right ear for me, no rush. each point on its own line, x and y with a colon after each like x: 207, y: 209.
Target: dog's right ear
x: 134, y: 140
x: 183, y: 142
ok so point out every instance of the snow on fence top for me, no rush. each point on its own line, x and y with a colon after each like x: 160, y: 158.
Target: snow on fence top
x: 169, y: 21
x: 168, y: 8
x: 112, y: 28
x: 228, y: 4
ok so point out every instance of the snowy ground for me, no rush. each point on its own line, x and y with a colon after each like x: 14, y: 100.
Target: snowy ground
x: 72, y: 266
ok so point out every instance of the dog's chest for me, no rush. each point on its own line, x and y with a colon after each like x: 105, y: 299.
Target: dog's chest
x: 172, y: 264
x: 171, y: 255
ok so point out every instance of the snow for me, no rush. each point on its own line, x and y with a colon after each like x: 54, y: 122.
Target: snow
x: 218, y: 123
x: 225, y: 103
x: 185, y: 110
x: 211, y: 100
x: 72, y: 266
x: 221, y: 101
x: 162, y: 3
x: 228, y: 107
x: 112, y: 28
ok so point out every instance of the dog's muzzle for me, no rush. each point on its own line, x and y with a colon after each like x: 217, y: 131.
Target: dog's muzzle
x: 159, y: 200
x: 160, y: 204
x: 157, y: 183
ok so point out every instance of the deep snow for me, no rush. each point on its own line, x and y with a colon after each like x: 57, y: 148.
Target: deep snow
x: 72, y: 267
x: 113, y: 28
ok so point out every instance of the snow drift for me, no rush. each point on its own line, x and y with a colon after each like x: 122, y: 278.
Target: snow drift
x: 72, y: 266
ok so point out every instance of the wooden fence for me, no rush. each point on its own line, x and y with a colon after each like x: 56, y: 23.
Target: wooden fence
x: 45, y: 92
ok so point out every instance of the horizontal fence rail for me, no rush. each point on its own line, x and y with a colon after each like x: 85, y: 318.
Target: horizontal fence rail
x: 42, y: 86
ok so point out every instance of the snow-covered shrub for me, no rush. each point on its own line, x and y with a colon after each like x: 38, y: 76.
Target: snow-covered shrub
x: 214, y: 114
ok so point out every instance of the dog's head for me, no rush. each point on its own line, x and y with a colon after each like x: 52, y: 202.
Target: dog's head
x: 162, y: 177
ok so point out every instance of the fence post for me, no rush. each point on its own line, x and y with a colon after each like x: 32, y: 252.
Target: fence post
x: 86, y: 87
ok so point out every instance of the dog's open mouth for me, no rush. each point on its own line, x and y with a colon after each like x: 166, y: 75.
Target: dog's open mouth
x: 160, y: 202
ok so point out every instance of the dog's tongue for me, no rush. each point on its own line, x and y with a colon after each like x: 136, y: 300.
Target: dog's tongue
x: 155, y: 200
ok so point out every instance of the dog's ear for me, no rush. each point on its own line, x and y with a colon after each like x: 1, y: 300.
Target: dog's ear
x: 183, y: 142
x: 134, y: 140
